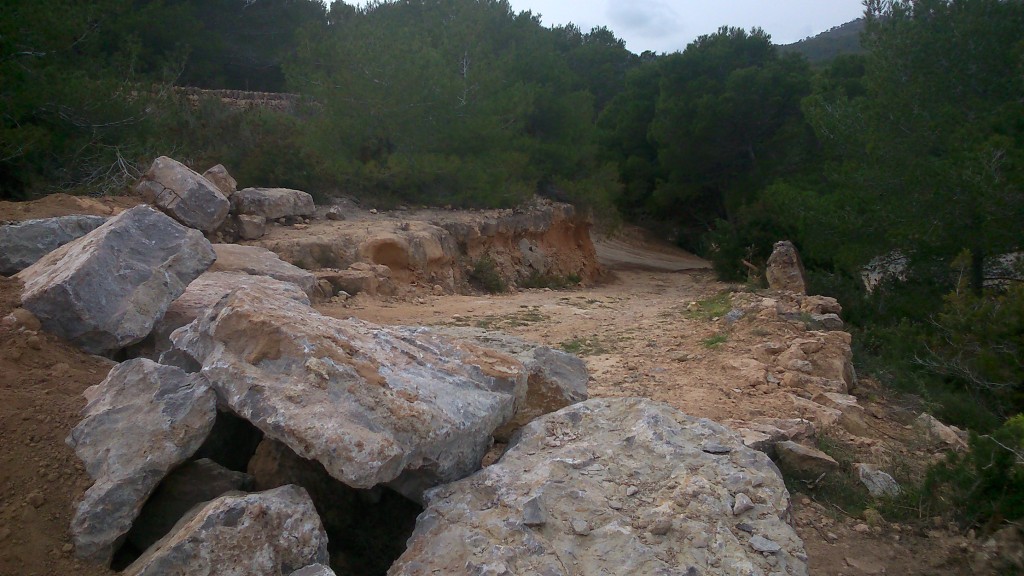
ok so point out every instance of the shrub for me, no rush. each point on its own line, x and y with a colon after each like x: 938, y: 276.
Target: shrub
x: 985, y: 486
x: 485, y: 275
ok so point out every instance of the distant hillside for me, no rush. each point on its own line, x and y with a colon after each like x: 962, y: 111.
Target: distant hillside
x: 844, y: 39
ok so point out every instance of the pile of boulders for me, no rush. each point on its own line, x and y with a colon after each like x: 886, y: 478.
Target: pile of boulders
x: 248, y: 433
x: 211, y: 202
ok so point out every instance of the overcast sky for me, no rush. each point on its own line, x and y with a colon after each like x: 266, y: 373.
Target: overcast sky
x: 669, y: 25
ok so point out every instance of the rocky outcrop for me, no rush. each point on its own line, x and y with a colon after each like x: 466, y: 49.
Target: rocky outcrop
x: 623, y: 486
x: 24, y: 243
x: 219, y: 177
x: 105, y: 290
x: 785, y: 270
x: 192, y: 483
x: 545, y: 242
x: 261, y: 262
x: 272, y: 203
x: 199, y: 297
x: 273, y: 532
x: 183, y: 194
x: 141, y: 422
x: 374, y: 405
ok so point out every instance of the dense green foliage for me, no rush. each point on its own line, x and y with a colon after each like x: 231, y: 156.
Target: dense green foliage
x: 913, y: 148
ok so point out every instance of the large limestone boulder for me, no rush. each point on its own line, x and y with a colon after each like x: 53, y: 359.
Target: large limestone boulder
x: 261, y: 262
x: 272, y: 203
x: 275, y: 533
x: 612, y: 486
x: 143, y: 420
x: 785, y: 270
x: 219, y: 177
x: 374, y: 405
x: 183, y: 194
x: 105, y: 290
x: 555, y: 379
x: 192, y: 483
x: 199, y: 297
x: 24, y: 243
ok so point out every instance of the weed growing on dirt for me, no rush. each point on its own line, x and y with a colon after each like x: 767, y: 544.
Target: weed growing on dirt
x: 583, y: 346
x: 715, y: 341
x: 537, y: 280
x: 514, y: 320
x: 714, y: 307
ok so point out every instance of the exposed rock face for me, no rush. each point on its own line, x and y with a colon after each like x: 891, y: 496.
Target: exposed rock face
x: 273, y: 532
x: 272, y: 203
x: 140, y: 423
x: 105, y: 290
x: 616, y: 486
x: 183, y: 194
x: 192, y: 483
x: 261, y: 262
x: 547, y: 239
x: 361, y: 278
x: 373, y: 405
x: 219, y: 177
x: 22, y: 244
x: 200, y: 296
x: 785, y: 270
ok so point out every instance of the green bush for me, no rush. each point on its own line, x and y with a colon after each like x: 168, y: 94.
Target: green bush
x: 985, y: 486
x: 485, y: 276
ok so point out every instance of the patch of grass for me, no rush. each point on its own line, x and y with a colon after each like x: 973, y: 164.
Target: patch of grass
x: 588, y: 346
x: 485, y: 276
x: 714, y: 307
x: 514, y: 320
x: 715, y: 341
x: 555, y: 282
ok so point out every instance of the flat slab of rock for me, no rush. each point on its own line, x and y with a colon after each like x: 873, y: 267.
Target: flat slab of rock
x: 612, y: 486
x: 183, y: 194
x: 374, y: 405
x: 24, y: 243
x: 273, y: 532
x: 105, y: 290
x: 200, y: 296
x: 272, y: 203
x: 261, y: 262
x: 143, y: 420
